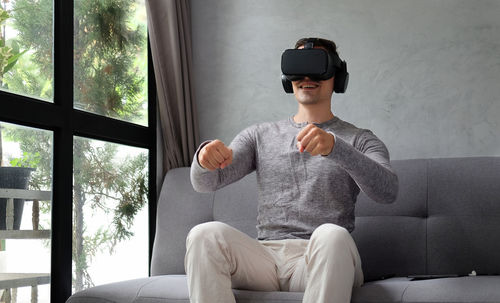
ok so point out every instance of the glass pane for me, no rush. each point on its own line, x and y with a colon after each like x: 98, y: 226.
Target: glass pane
x: 110, y: 59
x: 25, y: 211
x: 110, y: 216
x: 26, y: 43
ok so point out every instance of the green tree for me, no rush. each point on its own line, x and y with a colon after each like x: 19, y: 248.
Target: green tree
x: 107, y: 81
x: 9, y: 54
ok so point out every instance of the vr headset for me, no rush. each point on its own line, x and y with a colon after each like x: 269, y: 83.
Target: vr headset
x: 315, y: 63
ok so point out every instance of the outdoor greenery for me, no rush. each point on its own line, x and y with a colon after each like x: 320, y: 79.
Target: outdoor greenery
x: 109, y: 79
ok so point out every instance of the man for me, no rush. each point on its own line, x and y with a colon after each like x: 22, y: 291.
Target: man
x: 309, y: 168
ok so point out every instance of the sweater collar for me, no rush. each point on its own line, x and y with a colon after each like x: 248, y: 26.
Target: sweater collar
x: 320, y: 125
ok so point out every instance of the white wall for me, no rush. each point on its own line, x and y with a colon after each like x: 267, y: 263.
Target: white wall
x: 424, y: 74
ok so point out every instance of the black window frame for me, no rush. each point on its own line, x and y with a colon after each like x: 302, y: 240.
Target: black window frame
x: 66, y: 122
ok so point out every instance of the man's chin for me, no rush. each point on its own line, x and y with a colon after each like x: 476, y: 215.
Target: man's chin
x: 307, y: 101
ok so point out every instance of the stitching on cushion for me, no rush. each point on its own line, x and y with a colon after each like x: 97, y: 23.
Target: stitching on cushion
x: 404, y: 291
x: 99, y: 298
x: 139, y: 290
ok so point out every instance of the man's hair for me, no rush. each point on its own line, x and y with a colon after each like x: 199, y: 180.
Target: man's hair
x: 329, y: 45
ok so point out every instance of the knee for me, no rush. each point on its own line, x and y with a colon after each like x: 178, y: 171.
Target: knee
x: 199, y: 234
x: 331, y: 235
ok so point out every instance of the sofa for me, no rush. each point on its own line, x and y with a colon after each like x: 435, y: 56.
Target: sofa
x: 439, y: 242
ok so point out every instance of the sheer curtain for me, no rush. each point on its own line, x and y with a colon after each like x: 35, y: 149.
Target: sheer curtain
x: 169, y: 25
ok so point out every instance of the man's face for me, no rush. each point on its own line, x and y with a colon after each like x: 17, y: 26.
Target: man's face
x: 307, y: 91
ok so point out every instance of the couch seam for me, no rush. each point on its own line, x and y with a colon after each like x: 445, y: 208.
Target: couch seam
x: 404, y: 292
x: 140, y: 288
x: 100, y: 298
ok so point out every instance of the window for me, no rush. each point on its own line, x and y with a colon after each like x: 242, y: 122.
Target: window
x: 26, y: 48
x: 62, y: 89
x: 109, y: 212
x: 109, y: 56
x: 25, y: 211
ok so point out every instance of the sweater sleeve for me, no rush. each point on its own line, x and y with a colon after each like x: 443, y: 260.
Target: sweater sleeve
x: 367, y: 162
x: 243, y: 146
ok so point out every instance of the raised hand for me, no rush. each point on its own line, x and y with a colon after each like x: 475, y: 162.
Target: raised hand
x: 315, y: 141
x: 215, y: 155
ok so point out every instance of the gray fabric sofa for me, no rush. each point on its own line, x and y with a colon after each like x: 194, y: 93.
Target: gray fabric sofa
x: 446, y: 221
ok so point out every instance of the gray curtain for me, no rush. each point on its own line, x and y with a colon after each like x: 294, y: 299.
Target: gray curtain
x: 169, y: 25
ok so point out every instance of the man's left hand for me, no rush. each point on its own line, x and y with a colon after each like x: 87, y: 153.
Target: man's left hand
x: 315, y: 141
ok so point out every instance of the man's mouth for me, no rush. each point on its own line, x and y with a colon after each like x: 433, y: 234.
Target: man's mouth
x: 308, y: 85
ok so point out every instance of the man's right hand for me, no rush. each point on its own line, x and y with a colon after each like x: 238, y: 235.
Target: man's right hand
x: 215, y: 155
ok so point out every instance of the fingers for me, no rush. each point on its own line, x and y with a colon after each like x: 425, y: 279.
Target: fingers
x: 215, y: 155
x: 227, y: 161
x: 314, y: 147
x: 305, y: 131
x: 306, y: 136
x: 315, y: 141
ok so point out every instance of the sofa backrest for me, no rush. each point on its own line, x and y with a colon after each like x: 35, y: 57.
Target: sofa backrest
x: 446, y: 219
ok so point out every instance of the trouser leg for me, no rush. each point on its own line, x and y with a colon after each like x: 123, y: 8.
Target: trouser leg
x: 219, y: 258
x: 331, y: 267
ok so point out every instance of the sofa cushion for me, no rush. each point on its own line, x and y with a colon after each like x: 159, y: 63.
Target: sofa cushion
x: 119, y: 292
x: 383, y: 291
x: 173, y: 289
x: 462, y: 244
x: 412, y: 194
x: 391, y: 237
x: 480, y: 289
x: 180, y: 208
x: 236, y: 205
x: 391, y: 246
x: 464, y: 216
x: 166, y: 289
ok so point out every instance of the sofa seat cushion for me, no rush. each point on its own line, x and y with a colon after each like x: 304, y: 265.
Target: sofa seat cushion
x: 167, y: 289
x: 389, y: 290
x: 123, y: 292
x: 173, y: 289
x: 480, y: 289
x: 466, y: 289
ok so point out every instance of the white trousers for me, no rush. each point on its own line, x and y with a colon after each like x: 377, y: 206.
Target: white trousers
x: 220, y: 257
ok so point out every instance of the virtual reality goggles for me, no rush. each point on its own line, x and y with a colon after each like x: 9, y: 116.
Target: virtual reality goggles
x: 315, y: 63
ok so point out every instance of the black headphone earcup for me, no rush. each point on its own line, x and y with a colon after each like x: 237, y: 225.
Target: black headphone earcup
x: 341, y: 79
x: 287, y: 84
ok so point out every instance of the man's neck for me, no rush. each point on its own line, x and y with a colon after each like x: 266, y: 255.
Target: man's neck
x: 312, y: 116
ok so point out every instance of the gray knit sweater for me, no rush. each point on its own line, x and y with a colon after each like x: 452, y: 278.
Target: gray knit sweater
x: 298, y: 192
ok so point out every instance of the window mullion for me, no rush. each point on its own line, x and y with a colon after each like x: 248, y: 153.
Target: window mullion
x: 61, y: 263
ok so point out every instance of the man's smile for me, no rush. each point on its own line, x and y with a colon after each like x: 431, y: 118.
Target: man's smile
x: 308, y: 85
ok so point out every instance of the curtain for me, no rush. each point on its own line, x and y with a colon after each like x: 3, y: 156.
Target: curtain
x: 169, y: 26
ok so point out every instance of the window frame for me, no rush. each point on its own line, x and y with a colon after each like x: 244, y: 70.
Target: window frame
x: 66, y: 122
